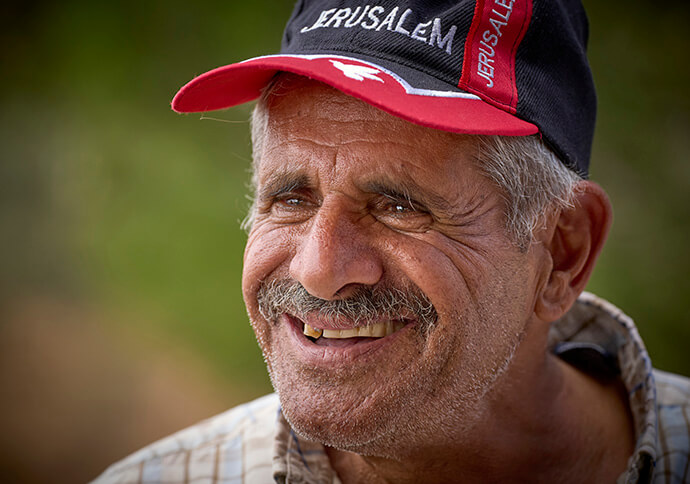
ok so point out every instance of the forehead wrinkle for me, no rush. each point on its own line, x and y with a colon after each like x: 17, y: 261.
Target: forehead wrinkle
x: 297, y: 144
x: 294, y: 143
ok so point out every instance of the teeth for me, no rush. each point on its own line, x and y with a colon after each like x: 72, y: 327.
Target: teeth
x: 378, y: 330
x: 341, y: 333
x: 312, y: 332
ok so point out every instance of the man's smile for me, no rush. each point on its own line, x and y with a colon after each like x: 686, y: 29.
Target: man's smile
x: 367, y: 314
x: 375, y: 330
x: 343, y: 344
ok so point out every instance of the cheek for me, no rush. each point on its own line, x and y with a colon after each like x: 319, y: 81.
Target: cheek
x: 445, y: 270
x: 267, y: 254
x: 473, y: 264
x: 473, y: 285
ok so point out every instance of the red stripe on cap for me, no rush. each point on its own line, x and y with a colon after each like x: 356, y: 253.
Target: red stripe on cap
x: 450, y: 111
x: 488, y: 68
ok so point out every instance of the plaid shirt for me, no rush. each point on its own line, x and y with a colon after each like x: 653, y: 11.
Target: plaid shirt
x: 253, y: 443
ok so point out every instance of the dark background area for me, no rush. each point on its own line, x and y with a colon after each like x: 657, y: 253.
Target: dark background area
x: 121, y: 316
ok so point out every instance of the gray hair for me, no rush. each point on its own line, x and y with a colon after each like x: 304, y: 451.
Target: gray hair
x: 531, y: 178
x: 533, y: 181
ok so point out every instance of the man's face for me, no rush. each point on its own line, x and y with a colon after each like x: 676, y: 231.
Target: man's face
x: 348, y: 199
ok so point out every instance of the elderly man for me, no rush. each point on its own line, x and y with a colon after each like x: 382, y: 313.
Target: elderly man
x: 421, y: 236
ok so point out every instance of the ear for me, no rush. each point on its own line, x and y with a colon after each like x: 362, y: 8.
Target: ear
x: 574, y: 243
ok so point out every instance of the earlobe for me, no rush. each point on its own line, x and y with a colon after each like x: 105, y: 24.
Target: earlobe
x: 576, y: 240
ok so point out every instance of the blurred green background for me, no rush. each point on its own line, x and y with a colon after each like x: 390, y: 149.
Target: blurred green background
x: 121, y: 317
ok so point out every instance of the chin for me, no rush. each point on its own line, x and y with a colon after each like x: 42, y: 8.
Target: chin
x: 336, y: 415
x: 340, y: 434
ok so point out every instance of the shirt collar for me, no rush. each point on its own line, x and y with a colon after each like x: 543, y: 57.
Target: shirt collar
x: 594, y: 323
x: 296, y: 459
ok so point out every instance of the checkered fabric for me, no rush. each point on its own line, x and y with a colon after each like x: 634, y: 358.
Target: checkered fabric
x: 253, y: 443
x: 231, y: 448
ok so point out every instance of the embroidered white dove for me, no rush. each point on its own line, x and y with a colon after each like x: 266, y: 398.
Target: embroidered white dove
x: 357, y: 72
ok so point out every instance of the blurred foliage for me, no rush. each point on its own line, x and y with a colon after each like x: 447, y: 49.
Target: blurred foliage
x: 107, y: 194
x: 639, y: 56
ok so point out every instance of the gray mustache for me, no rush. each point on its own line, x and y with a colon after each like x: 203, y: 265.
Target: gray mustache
x: 366, y: 306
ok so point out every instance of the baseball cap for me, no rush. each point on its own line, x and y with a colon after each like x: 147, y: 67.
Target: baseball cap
x: 492, y: 67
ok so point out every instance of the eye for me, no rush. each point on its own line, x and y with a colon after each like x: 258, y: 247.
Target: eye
x: 290, y: 207
x: 398, y: 205
x: 401, y: 208
x: 402, y: 214
x: 290, y: 201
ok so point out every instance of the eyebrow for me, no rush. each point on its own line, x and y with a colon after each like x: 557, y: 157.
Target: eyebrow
x: 410, y: 191
x: 282, y: 182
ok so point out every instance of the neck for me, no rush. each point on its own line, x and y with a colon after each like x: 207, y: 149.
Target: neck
x: 559, y: 426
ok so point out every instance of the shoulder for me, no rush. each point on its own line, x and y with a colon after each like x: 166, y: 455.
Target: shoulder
x: 234, y: 445
x: 673, y: 407
x: 672, y: 389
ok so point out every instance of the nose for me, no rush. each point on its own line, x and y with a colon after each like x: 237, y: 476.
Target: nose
x: 334, y: 255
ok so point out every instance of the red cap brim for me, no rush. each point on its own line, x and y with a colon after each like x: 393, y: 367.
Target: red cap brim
x: 453, y: 111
